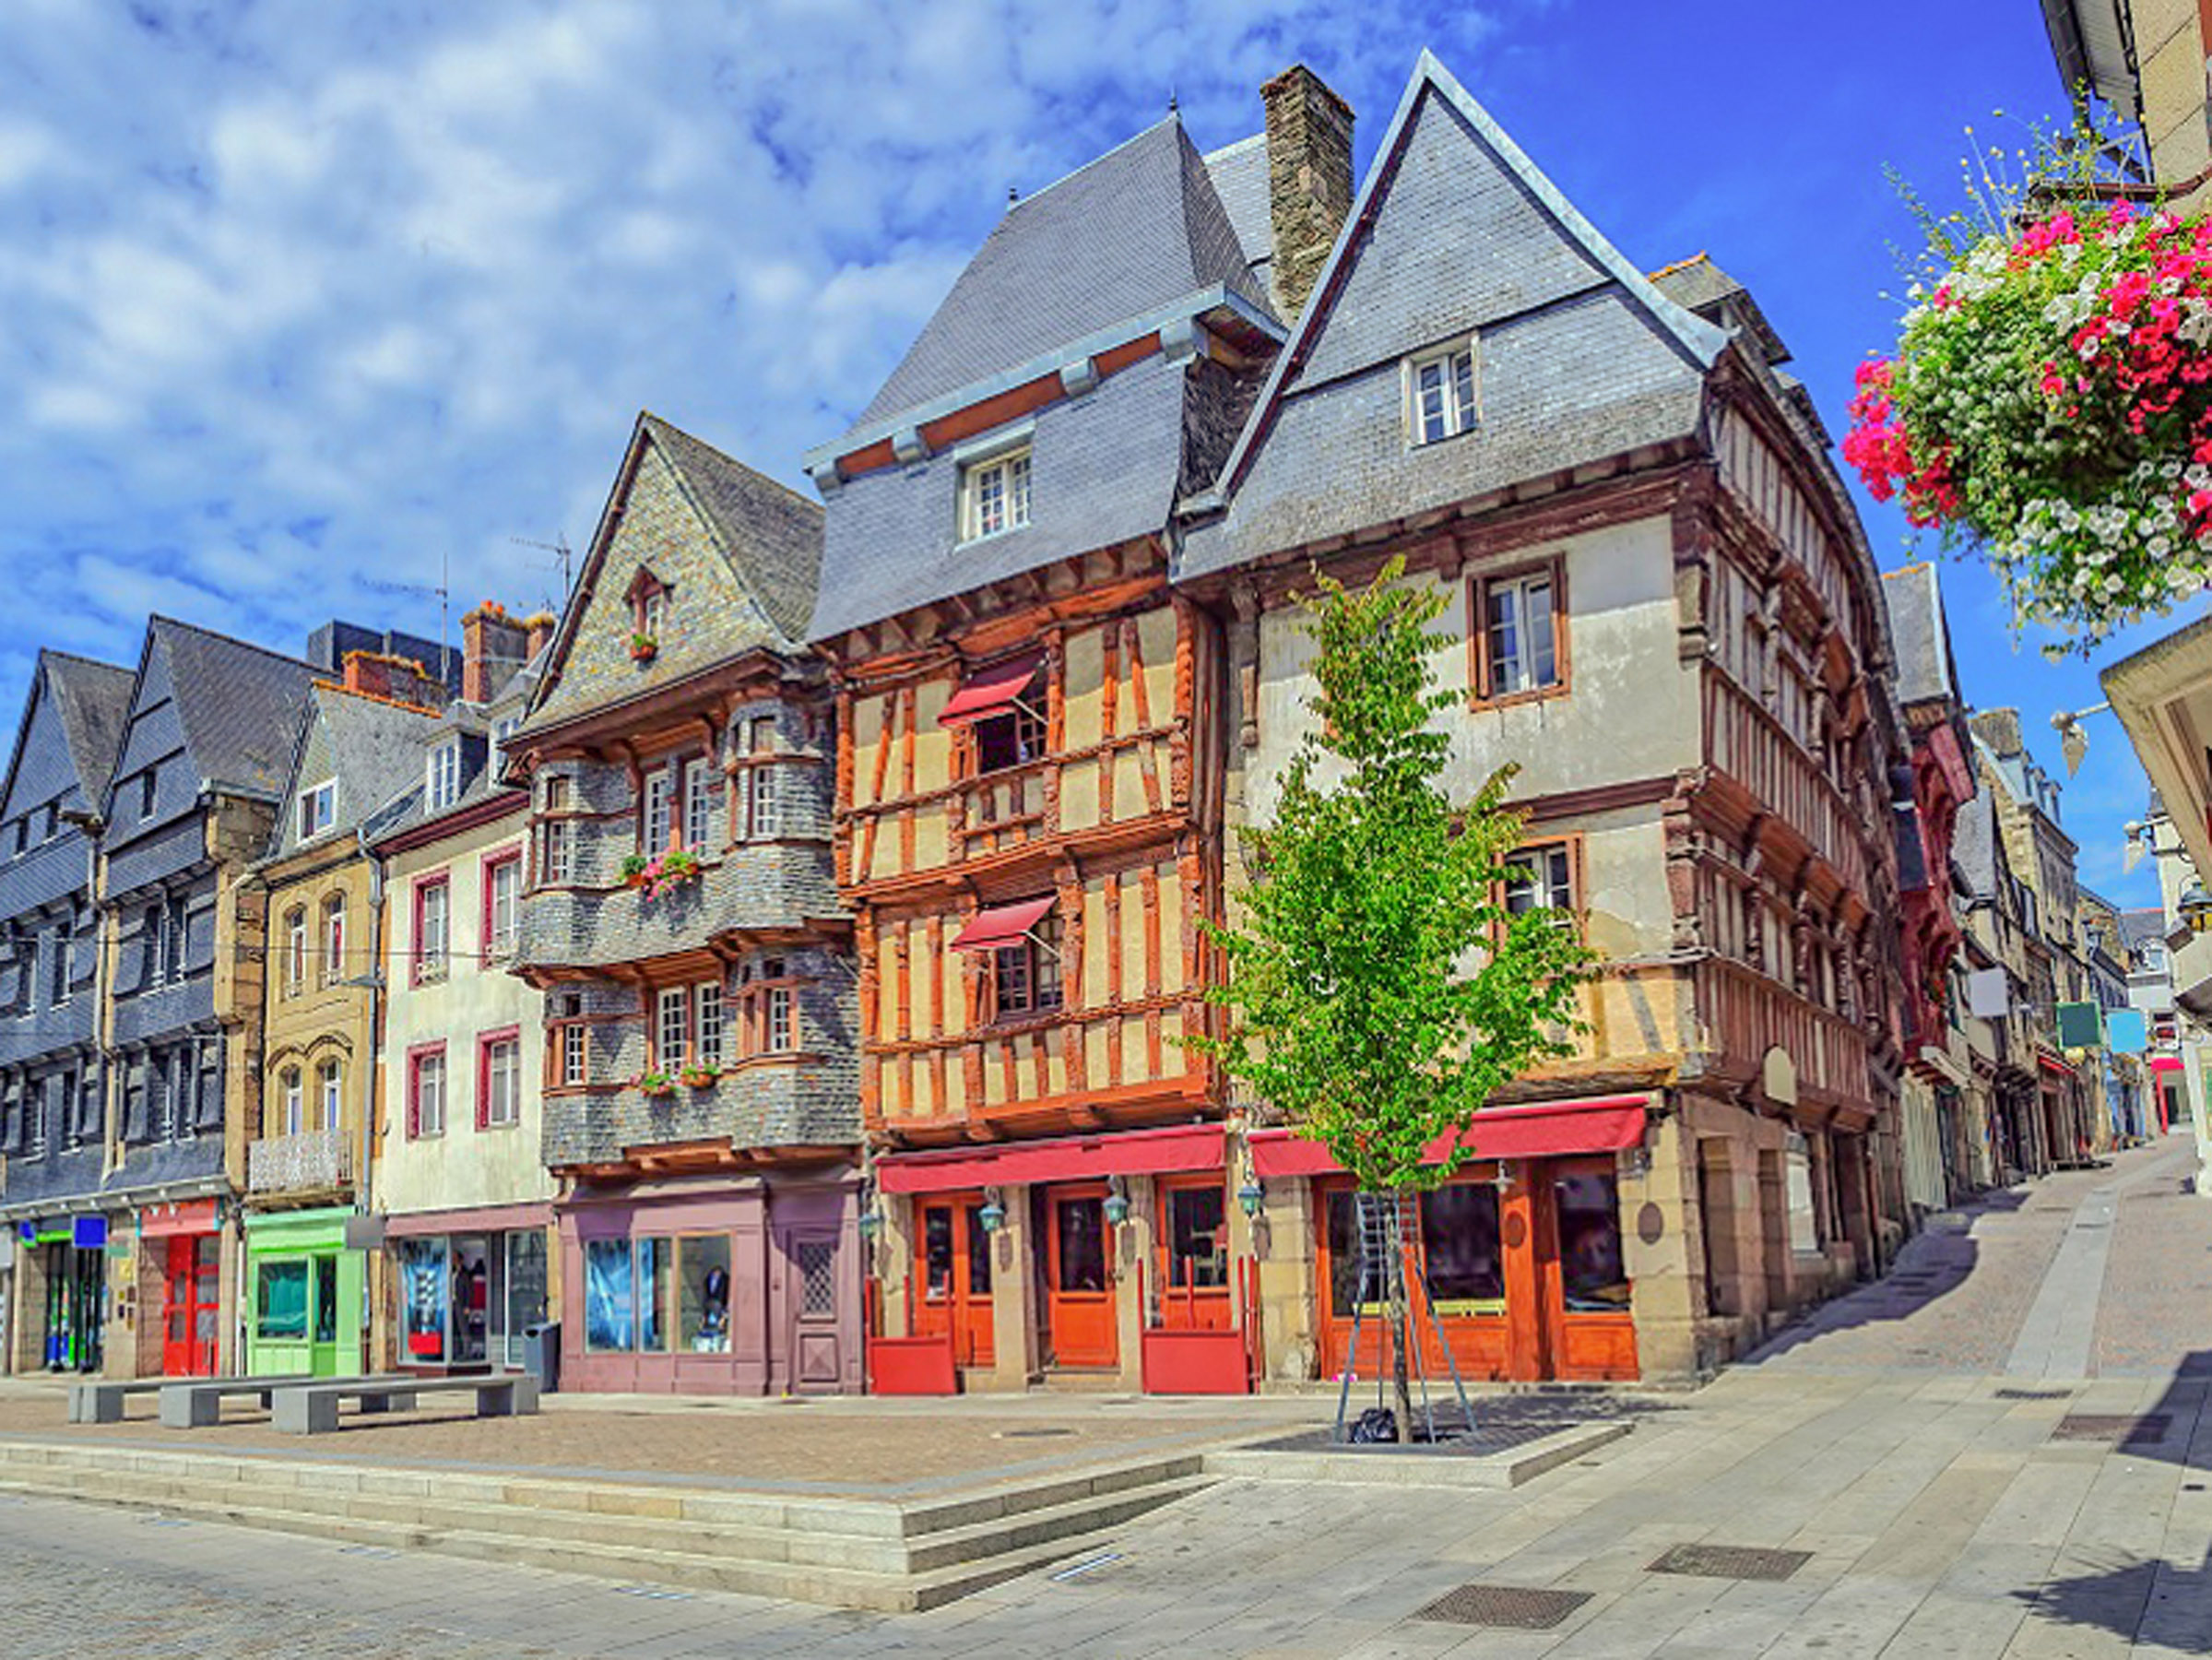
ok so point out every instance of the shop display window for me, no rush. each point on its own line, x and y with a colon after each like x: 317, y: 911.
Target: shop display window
x: 1197, y: 1238
x: 609, y: 1307
x: 1460, y: 1249
x: 326, y: 1300
x: 472, y: 1302
x: 657, y: 1293
x: 703, y: 1309
x: 1593, y: 1279
x: 280, y: 1300
x: 422, y: 1297
x: 525, y: 1288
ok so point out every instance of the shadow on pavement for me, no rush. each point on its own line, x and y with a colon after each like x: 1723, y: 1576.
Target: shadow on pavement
x: 1931, y: 1266
x: 2148, y: 1600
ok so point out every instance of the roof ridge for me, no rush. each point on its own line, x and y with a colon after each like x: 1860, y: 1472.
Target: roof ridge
x: 78, y: 657
x: 1172, y: 116
x: 661, y: 423
x: 1229, y: 149
x: 1700, y: 257
x: 211, y: 633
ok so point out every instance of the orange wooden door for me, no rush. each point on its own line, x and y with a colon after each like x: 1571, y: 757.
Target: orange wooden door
x: 1079, y: 1278
x: 1455, y: 1239
x: 953, y: 1267
x: 1590, y: 1329
x: 1193, y: 1252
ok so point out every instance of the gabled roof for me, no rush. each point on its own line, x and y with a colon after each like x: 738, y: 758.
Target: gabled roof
x: 370, y: 746
x: 1240, y: 179
x: 1698, y: 285
x: 239, y: 704
x: 94, y: 700
x: 1475, y: 170
x: 1123, y: 235
x: 766, y: 538
x: 1926, y: 671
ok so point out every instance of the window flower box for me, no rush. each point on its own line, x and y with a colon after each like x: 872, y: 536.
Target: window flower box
x: 642, y: 648
x: 700, y: 1077
x: 656, y: 1084
x: 664, y: 872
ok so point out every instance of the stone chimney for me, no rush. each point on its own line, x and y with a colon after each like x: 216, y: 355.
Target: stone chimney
x: 1308, y: 181
x: 2000, y: 728
x: 493, y: 649
x: 538, y: 629
x: 399, y: 680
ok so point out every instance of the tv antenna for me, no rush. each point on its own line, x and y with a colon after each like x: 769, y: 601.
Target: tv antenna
x: 443, y: 592
x: 564, y: 555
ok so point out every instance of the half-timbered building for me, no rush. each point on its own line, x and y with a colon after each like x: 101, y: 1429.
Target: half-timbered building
x: 698, y: 1057
x: 1662, y: 610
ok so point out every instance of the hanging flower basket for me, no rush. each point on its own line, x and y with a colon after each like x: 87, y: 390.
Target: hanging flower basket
x: 634, y: 869
x: 641, y: 647
x: 2050, y: 402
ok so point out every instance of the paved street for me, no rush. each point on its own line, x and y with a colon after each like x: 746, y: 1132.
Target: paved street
x: 1909, y: 1442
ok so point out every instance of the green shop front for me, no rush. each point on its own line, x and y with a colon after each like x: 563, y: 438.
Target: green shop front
x: 306, y: 1293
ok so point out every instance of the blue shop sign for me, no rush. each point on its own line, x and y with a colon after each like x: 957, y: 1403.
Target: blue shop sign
x: 89, y: 1233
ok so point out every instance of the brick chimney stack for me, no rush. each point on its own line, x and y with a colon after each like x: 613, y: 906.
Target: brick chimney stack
x: 399, y: 680
x: 538, y: 628
x: 493, y: 649
x: 1308, y: 181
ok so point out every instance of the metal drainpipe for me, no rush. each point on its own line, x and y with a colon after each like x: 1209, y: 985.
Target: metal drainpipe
x: 375, y: 979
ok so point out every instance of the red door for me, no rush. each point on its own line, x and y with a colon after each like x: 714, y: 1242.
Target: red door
x: 1194, y: 1254
x: 191, y: 1293
x: 1079, y: 1278
x: 952, y: 1265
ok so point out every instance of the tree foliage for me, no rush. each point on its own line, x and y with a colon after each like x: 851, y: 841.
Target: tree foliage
x: 1380, y: 988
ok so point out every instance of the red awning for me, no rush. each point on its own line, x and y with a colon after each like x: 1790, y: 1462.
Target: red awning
x: 2166, y: 1064
x: 2056, y: 1067
x: 1065, y: 1158
x: 184, y: 1217
x: 994, y: 930
x: 1539, y: 1130
x: 992, y: 690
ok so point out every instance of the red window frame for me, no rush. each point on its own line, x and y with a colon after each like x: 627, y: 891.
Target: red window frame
x: 484, y: 1044
x: 417, y: 1054
x: 493, y: 863
x: 423, y: 886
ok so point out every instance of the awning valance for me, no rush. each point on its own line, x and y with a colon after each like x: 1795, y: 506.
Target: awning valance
x: 995, y: 929
x: 1064, y: 1159
x: 182, y: 1217
x: 2166, y: 1064
x: 1539, y: 1130
x: 992, y: 690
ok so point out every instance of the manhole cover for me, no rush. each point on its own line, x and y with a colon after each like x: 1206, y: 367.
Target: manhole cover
x: 1030, y: 1434
x: 1517, y: 1607
x: 2111, y: 1427
x: 1731, y: 1561
x: 2032, y: 1394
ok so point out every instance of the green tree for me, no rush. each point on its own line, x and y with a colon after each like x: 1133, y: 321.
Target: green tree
x: 1383, y: 987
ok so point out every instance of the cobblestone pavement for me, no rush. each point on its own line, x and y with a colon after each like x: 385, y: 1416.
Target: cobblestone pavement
x: 1940, y: 1504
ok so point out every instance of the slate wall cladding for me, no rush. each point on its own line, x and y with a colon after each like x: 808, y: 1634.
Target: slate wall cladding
x: 145, y: 861
x: 42, y: 873
x: 709, y: 619
x: 811, y: 1102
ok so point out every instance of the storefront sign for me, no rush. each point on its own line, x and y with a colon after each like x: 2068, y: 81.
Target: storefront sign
x: 88, y: 1233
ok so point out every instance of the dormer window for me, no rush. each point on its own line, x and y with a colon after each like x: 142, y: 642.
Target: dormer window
x: 648, y: 597
x: 442, y: 779
x: 1440, y: 394
x: 994, y: 495
x: 318, y: 808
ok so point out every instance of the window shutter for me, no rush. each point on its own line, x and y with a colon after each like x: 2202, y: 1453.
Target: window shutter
x: 134, y: 1100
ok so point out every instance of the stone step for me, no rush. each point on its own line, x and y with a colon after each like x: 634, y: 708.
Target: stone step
x: 847, y: 1553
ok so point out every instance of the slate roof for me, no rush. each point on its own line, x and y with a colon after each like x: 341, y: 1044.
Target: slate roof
x: 406, y: 808
x: 773, y: 535
x: 2138, y: 928
x: 1240, y: 180
x: 94, y: 701
x: 240, y: 704
x: 1698, y: 285
x: 1454, y: 230
x: 1119, y: 237
x: 372, y: 747
x: 1926, y: 671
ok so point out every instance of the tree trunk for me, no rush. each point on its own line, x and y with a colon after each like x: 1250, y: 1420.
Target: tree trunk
x: 1402, y: 1397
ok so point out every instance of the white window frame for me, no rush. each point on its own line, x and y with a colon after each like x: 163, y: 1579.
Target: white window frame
x: 333, y: 941
x: 295, y: 1100
x: 1453, y: 373
x: 501, y: 729
x: 1522, y: 674
x: 427, y: 1079
x: 671, y: 1019
x: 763, y: 804
x: 698, y: 802
x: 575, y: 1065
x: 433, y: 947
x: 776, y: 1034
x: 504, y: 930
x: 706, y: 1022
x: 1550, y: 880
x: 653, y: 813
x: 331, y: 1078
x: 442, y: 776
x: 995, y: 494
x: 318, y: 808
x: 295, y: 951
x: 503, y: 1082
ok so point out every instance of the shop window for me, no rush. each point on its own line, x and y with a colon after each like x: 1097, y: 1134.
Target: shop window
x: 1346, y: 1278
x: 1521, y: 634
x: 525, y: 1287
x: 1197, y: 1238
x: 326, y: 1300
x: 1440, y: 394
x: 1460, y: 1249
x: 655, y: 1293
x: 610, y: 1305
x: 1593, y: 1279
x: 280, y: 1300
x: 472, y: 1300
x: 703, y: 1307
x: 1804, y: 1219
x: 817, y: 1264
x: 423, y: 1290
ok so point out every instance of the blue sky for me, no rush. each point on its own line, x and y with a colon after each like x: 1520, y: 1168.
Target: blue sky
x: 299, y: 297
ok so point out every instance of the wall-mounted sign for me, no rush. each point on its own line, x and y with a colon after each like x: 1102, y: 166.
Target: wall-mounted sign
x: 2080, y: 1025
x: 88, y: 1233
x: 1989, y: 994
x: 2126, y: 1031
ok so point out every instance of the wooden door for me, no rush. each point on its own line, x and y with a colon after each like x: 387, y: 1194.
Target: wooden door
x: 1079, y: 1278
x: 1193, y: 1255
x: 191, y: 1288
x: 1590, y: 1329
x: 952, y: 1266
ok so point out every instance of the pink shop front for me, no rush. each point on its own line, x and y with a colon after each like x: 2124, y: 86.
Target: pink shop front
x: 708, y: 1284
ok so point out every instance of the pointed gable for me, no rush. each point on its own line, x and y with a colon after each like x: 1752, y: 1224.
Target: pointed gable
x: 65, y: 741
x: 734, y: 555
x: 371, y: 748
x: 1455, y: 235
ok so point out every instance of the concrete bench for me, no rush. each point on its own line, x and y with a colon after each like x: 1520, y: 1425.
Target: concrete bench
x: 99, y: 1402
x: 312, y: 1407
x: 196, y: 1403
